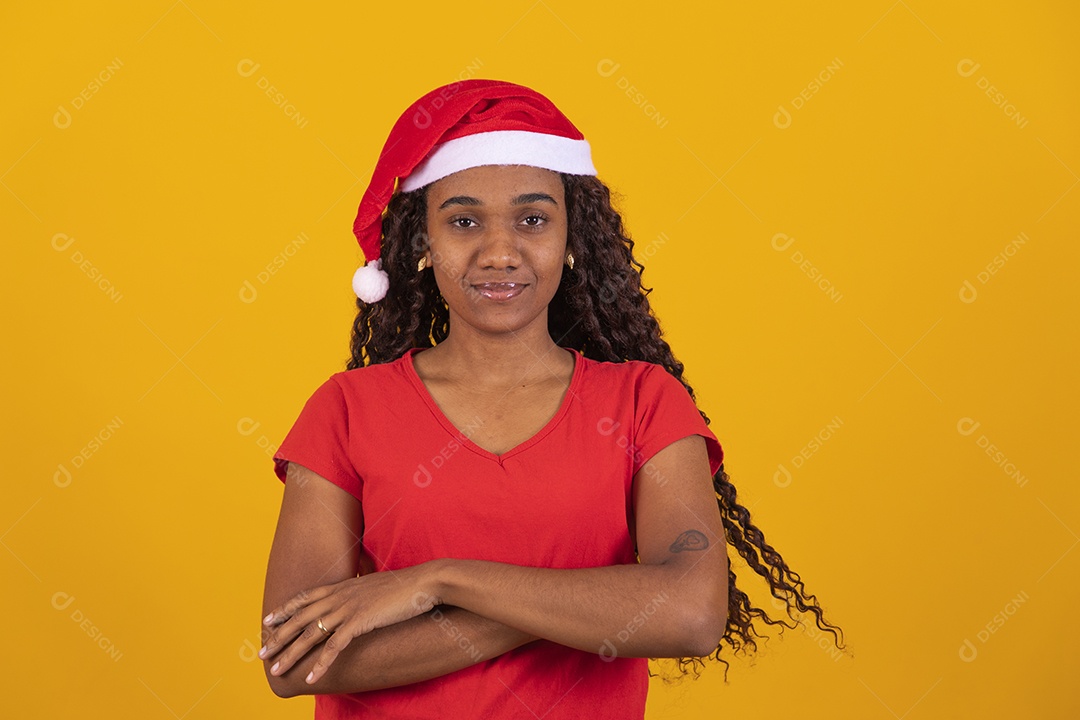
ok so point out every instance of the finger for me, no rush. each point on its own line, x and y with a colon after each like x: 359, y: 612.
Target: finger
x: 335, y: 643
x: 296, y: 603
x: 289, y: 630
x: 310, y: 636
x: 281, y: 636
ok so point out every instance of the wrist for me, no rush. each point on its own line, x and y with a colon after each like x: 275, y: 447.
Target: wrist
x: 440, y: 581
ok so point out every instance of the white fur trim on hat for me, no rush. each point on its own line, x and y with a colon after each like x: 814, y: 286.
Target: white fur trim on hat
x: 371, y: 282
x: 502, y: 147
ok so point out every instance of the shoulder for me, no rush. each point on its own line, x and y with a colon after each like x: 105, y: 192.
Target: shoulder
x: 351, y: 389
x: 635, y: 374
x: 382, y: 375
x: 636, y: 383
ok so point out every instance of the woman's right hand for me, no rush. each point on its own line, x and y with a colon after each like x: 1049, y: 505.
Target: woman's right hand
x: 336, y: 614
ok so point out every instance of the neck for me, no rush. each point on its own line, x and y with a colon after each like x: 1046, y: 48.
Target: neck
x: 500, y: 360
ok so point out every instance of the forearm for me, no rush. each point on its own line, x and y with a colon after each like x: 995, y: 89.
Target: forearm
x: 628, y: 610
x: 431, y: 645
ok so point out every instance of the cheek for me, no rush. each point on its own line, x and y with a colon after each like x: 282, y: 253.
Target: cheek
x: 445, y: 263
x: 554, y: 261
x: 446, y: 275
x: 450, y: 277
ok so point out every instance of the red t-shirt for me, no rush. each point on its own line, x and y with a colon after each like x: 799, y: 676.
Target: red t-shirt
x: 561, y: 499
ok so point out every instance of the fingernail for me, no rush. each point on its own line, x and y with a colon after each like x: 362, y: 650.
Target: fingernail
x: 311, y: 676
x: 273, y: 670
x: 268, y: 618
x: 262, y: 652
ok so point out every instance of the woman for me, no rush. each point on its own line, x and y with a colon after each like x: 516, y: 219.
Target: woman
x: 503, y: 506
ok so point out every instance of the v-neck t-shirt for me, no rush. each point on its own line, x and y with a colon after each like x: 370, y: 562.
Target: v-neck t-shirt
x: 560, y: 499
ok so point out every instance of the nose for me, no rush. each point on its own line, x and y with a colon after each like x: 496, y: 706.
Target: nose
x: 500, y: 248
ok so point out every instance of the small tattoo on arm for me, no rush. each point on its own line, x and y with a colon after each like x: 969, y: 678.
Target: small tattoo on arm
x: 689, y: 541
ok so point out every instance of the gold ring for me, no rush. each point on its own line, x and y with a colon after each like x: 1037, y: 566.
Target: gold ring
x: 322, y: 627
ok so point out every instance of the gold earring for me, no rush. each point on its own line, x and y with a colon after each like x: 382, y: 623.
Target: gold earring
x: 570, y: 260
x: 422, y: 264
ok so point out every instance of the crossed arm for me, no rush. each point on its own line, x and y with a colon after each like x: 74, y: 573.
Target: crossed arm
x: 405, y: 626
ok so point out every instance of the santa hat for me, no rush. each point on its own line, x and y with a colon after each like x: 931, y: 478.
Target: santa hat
x: 458, y: 126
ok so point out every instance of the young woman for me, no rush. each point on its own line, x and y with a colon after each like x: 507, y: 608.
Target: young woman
x: 509, y: 500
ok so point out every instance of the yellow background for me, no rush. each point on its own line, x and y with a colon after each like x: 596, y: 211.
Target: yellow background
x: 894, y: 176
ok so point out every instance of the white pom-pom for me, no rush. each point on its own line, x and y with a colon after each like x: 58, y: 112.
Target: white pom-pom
x: 370, y: 282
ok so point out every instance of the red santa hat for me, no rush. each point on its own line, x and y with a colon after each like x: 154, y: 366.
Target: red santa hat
x: 458, y: 126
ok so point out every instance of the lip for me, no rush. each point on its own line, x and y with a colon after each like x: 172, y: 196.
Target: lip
x: 500, y: 290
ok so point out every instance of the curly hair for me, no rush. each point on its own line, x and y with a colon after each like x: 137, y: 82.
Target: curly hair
x: 601, y: 309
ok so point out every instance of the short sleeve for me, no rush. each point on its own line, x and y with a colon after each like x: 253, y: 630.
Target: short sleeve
x: 665, y: 412
x: 319, y: 439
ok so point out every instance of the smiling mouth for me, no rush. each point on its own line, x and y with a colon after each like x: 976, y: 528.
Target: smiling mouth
x: 500, y: 291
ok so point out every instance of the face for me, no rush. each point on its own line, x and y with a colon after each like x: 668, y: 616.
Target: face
x: 497, y: 245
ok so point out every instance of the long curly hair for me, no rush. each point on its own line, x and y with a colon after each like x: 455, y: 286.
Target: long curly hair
x: 601, y: 309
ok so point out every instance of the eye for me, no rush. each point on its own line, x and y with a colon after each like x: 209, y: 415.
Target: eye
x: 535, y: 216
x: 455, y: 221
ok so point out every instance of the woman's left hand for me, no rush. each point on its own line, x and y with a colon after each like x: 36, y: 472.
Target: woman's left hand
x: 346, y: 610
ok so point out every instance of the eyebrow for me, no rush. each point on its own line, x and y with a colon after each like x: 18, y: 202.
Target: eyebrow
x: 523, y: 199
